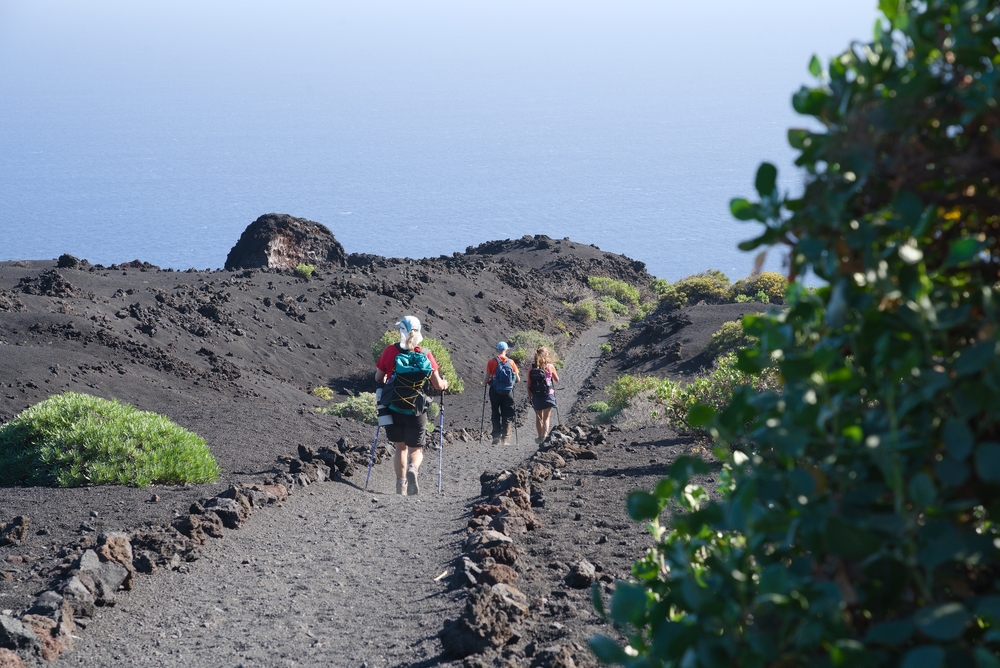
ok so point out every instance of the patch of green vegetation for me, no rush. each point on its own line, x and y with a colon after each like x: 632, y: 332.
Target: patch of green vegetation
x: 361, y: 408
x: 624, y: 388
x: 74, y: 439
x: 620, y: 326
x: 612, y: 306
x: 768, y: 287
x: 617, y: 290
x: 605, y: 348
x: 597, y: 407
x: 729, y: 338
x: 659, y: 286
x: 323, y: 392
x: 584, y: 310
x: 524, y: 344
x: 305, y: 270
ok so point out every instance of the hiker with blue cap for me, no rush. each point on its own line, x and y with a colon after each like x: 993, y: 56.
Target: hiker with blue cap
x: 501, y: 376
x: 401, y: 371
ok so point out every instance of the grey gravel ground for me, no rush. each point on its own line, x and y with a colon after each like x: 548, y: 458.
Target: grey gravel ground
x: 337, y: 576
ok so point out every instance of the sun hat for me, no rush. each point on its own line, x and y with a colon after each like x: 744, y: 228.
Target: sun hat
x: 502, y: 346
x: 408, y: 324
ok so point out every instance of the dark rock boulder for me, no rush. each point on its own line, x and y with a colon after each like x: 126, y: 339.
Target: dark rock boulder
x: 280, y: 241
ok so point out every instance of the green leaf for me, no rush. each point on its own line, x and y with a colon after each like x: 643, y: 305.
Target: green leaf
x: 597, y: 600
x: 889, y: 7
x: 928, y: 656
x: 893, y: 633
x: 922, y: 490
x: 700, y: 415
x: 797, y: 138
x: 850, y: 541
x: 665, y: 489
x: 686, y: 466
x: 767, y: 177
x: 742, y: 209
x: 988, y: 462
x: 607, y: 650
x: 962, y: 251
x: 942, y: 622
x: 643, y: 506
x: 976, y: 357
x: 628, y: 603
x: 815, y: 67
x: 809, y: 101
x: 958, y: 438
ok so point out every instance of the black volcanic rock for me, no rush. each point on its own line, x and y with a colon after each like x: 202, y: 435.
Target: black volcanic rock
x: 280, y: 241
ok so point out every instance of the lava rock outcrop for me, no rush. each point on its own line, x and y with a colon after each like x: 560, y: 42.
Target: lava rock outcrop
x: 280, y: 241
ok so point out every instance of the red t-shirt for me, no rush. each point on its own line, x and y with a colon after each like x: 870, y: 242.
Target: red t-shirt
x: 491, y: 366
x: 387, y: 360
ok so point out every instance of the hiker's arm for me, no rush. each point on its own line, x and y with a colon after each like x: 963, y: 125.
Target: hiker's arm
x: 438, y: 382
x: 379, y: 376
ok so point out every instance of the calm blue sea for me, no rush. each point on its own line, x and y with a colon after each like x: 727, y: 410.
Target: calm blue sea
x: 158, y: 131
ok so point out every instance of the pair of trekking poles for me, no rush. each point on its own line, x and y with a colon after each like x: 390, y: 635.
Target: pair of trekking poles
x: 371, y: 458
x: 482, y: 420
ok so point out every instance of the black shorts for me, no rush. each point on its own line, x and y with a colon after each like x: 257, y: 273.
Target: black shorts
x: 541, y: 402
x: 409, y: 430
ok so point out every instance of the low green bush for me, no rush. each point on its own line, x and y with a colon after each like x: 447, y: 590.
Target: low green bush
x: 767, y: 287
x: 74, y: 439
x: 524, y: 344
x: 305, y: 270
x: 659, y: 286
x: 729, y: 338
x: 605, y: 348
x: 618, y: 290
x: 624, y: 388
x: 445, y: 366
x: 361, y: 408
x: 584, y: 310
x: 614, y: 306
x: 597, y: 407
x: 323, y: 392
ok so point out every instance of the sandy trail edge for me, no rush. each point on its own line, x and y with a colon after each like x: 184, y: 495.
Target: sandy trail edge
x: 335, y: 577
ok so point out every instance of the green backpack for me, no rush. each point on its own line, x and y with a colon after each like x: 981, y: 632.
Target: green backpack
x: 406, y: 395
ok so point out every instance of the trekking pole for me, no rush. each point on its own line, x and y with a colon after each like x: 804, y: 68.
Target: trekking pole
x: 517, y: 441
x: 441, y: 441
x: 558, y: 419
x: 371, y: 459
x: 482, y: 420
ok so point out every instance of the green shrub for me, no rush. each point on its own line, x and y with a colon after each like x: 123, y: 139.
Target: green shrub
x: 305, y: 270
x: 729, y: 338
x: 856, y: 522
x: 324, y: 393
x: 617, y: 290
x: 74, y: 439
x: 524, y: 344
x: 710, y: 286
x: 620, y: 326
x: 597, y: 407
x: 766, y: 287
x: 445, y: 366
x: 561, y: 326
x: 659, y: 286
x: 584, y: 310
x: 605, y: 348
x: 624, y: 388
x: 613, y: 306
x: 361, y: 408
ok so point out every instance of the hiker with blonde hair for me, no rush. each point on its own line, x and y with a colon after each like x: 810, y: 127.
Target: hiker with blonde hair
x: 401, y: 371
x: 543, y: 394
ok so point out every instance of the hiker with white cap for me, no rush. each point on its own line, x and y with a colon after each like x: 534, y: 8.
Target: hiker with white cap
x: 501, y: 376
x: 401, y: 371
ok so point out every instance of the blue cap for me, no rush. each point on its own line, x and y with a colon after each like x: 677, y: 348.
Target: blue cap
x: 502, y: 346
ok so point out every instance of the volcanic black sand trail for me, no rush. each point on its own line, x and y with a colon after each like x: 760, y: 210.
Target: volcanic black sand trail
x: 337, y: 576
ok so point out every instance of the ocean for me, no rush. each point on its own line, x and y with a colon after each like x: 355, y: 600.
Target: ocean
x: 159, y: 131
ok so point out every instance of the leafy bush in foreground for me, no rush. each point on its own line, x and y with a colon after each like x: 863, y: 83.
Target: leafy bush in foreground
x: 74, y: 439
x: 858, y: 519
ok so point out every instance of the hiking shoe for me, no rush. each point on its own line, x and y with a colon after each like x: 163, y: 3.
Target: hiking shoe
x: 539, y: 440
x: 412, y: 489
x: 505, y: 440
x: 496, y: 440
x: 399, y: 487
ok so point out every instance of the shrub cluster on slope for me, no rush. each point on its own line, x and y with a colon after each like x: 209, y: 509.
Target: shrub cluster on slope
x: 74, y: 439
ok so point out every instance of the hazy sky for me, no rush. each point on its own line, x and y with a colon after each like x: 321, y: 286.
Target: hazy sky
x: 494, y: 117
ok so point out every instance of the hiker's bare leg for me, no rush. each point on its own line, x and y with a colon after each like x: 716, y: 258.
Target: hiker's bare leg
x: 539, y: 424
x: 399, y: 460
x: 416, y: 458
x: 543, y: 418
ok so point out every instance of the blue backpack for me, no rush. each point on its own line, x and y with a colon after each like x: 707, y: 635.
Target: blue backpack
x: 405, y: 393
x: 503, y: 377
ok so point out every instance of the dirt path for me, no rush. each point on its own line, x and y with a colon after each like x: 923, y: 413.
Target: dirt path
x: 337, y: 576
